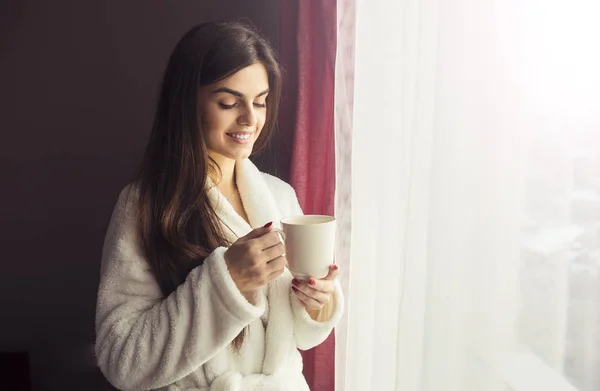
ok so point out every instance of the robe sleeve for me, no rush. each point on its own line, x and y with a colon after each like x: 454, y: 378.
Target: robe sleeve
x: 145, y: 340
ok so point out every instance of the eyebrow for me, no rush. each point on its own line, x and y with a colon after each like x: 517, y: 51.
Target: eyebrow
x: 237, y: 93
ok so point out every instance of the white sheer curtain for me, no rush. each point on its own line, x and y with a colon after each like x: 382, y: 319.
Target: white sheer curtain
x: 470, y: 191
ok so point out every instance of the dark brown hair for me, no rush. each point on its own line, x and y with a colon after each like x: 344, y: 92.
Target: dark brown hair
x: 179, y: 227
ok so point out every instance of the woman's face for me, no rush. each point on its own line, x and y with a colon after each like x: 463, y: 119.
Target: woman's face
x: 233, y: 111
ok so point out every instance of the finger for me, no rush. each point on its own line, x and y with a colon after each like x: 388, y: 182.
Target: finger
x: 320, y: 296
x: 274, y: 252
x: 307, y: 300
x: 334, y: 270
x: 275, y: 274
x: 318, y: 285
x: 257, y: 232
x: 277, y: 264
x: 269, y: 239
x: 265, y: 241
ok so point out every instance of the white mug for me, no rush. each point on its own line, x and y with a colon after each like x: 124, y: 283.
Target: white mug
x: 309, y: 242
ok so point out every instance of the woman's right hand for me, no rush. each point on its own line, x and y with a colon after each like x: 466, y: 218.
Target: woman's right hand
x: 256, y: 259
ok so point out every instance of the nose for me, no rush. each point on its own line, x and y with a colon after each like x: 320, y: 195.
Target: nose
x: 248, y: 116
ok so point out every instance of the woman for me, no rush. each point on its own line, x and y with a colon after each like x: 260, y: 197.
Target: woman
x: 191, y: 297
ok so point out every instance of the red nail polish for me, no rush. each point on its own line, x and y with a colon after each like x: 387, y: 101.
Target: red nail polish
x: 270, y: 223
x: 311, y: 282
x: 335, y: 267
x: 295, y: 289
x: 294, y: 281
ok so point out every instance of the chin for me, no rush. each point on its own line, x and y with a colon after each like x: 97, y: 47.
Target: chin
x: 240, y: 155
x: 233, y: 152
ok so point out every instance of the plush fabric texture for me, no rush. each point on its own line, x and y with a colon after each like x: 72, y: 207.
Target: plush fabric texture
x: 146, y: 341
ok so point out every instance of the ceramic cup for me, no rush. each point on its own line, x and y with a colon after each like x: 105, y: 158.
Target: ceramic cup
x: 309, y: 244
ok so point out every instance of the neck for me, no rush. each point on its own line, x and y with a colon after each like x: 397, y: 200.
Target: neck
x: 225, y: 177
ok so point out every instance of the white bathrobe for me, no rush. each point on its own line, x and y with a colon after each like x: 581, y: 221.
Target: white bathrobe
x: 183, y: 341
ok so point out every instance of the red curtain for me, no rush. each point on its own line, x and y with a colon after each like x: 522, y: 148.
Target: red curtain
x: 308, y: 50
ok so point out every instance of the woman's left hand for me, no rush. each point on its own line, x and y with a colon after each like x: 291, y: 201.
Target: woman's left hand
x: 315, y: 293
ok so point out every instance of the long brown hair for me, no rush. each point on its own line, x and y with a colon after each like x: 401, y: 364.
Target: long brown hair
x: 179, y: 227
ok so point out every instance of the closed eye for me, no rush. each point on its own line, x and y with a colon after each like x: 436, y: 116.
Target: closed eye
x: 227, y: 107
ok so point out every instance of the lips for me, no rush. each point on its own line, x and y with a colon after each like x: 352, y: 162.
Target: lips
x: 240, y: 136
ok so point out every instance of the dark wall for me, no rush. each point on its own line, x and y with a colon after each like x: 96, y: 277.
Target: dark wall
x: 78, y: 81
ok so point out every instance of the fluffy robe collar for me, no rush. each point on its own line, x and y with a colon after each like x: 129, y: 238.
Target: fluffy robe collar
x: 258, y: 201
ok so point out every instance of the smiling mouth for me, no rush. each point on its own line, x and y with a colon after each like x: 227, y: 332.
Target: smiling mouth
x: 240, y: 136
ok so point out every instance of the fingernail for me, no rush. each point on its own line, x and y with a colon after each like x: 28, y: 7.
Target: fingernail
x: 334, y: 267
x: 295, y: 289
x: 311, y: 282
x: 270, y: 223
x: 295, y: 282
